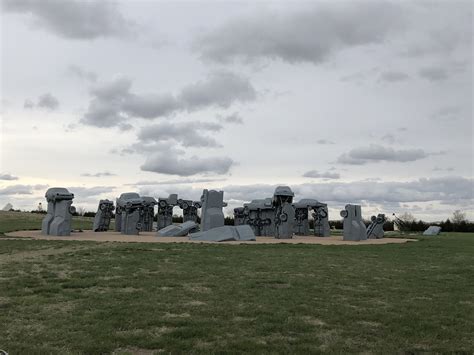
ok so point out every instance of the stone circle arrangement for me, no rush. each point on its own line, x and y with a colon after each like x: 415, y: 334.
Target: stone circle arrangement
x: 278, y: 216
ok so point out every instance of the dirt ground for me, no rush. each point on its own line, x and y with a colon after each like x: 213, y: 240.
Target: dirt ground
x: 151, y: 237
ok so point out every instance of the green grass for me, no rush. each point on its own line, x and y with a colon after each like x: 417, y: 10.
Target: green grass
x: 12, y: 221
x: 85, y: 297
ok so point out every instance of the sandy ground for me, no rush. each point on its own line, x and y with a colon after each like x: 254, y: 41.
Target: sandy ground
x: 151, y: 237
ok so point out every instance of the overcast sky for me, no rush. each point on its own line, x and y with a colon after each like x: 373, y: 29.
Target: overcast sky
x: 346, y: 102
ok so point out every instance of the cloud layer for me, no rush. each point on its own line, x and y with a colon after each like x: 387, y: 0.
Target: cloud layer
x: 309, y: 36
x: 113, y: 103
x: 73, y: 19
x: 8, y: 177
x: 46, y: 101
x: 377, y: 153
x: 324, y: 175
x: 174, y: 164
x: 188, y: 134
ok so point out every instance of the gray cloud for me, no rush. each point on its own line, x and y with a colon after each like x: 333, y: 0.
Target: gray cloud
x: 377, y: 153
x: 73, y: 19
x: 171, y: 163
x: 324, y: 175
x: 112, y: 103
x: 324, y: 141
x: 445, y: 189
x: 100, y: 174
x: 446, y: 114
x: 48, y: 101
x: 90, y: 192
x: 434, y: 73
x: 9, y: 177
x: 29, y: 104
x: 21, y: 189
x: 309, y: 36
x: 220, y: 89
x: 181, y: 181
x: 188, y: 134
x: 453, y: 30
x: 81, y: 73
x: 393, y: 76
x: 232, y: 118
x: 436, y: 168
x: 389, y: 138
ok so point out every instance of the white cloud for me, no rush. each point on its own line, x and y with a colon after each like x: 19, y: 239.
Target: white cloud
x: 377, y: 153
x: 9, y: 177
x: 21, y: 189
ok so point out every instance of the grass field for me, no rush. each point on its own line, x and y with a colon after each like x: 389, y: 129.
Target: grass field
x: 86, y: 297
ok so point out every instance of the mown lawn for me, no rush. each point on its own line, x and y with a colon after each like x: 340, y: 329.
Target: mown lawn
x: 12, y: 221
x: 87, y: 297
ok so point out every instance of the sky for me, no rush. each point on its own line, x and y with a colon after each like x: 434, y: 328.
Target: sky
x: 365, y: 102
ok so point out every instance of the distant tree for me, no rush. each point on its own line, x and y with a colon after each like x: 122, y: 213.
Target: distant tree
x: 459, y: 221
x: 458, y: 217
x: 388, y: 225
x: 177, y: 219
x: 446, y: 226
x: 405, y: 222
x: 229, y: 221
x: 89, y: 214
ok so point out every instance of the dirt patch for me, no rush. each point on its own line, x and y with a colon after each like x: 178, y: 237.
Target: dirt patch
x: 36, y: 254
x: 151, y: 237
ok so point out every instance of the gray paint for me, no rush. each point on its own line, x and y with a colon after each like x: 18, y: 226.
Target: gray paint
x: 165, y: 210
x: 103, y: 216
x: 225, y: 233
x: 260, y: 216
x: 120, y: 203
x: 130, y: 208
x: 319, y: 214
x: 284, y: 212
x: 354, y: 227
x: 212, y: 215
x: 180, y: 230
x: 190, y: 209
x: 239, y: 216
x: 59, y: 214
x: 146, y: 218
x: 302, y: 215
x: 432, y: 230
x: 375, y: 228
x: 321, y: 220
